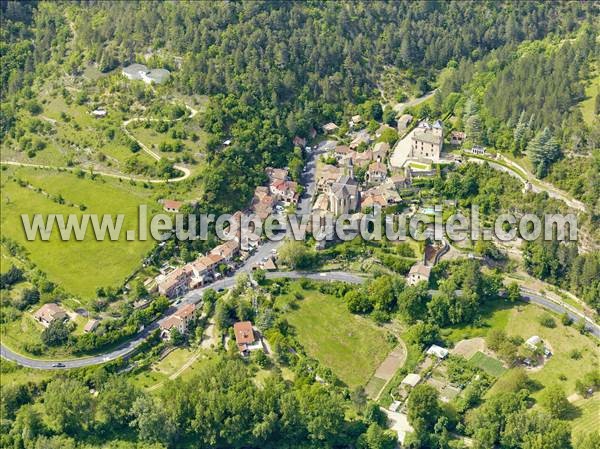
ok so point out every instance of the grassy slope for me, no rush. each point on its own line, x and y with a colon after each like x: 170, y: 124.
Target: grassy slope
x: 79, y: 267
x: 352, y: 346
x: 587, y: 105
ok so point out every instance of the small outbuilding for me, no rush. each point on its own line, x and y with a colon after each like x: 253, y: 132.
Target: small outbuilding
x: 91, y: 326
x: 533, y: 342
x: 412, y: 380
x: 438, y: 351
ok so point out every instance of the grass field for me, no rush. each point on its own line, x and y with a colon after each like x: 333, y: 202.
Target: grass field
x: 488, y: 364
x: 80, y: 267
x: 351, y: 346
x: 523, y: 320
x: 589, y: 416
x: 587, y: 105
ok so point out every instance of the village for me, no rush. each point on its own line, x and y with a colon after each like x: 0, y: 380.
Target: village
x: 341, y: 179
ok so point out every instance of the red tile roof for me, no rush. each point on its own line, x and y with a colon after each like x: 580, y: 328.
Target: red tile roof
x: 244, y: 334
x: 172, y: 204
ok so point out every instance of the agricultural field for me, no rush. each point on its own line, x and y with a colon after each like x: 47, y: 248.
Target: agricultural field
x: 79, y: 267
x: 488, y: 364
x: 351, y: 346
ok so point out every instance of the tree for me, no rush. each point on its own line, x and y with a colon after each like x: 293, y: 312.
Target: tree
x: 423, y: 408
x: 513, y: 292
x: 543, y: 150
x: 115, y: 402
x: 423, y: 334
x: 56, y: 333
x: 11, y: 277
x: 27, y: 426
x: 68, y: 405
x: 473, y: 128
x: 358, y: 302
x: 555, y: 401
x: 381, y: 292
x: 495, y: 338
x: 296, y: 255
x: 412, y: 302
x: 176, y: 337
x: 151, y: 421
x: 533, y: 430
x: 377, y: 438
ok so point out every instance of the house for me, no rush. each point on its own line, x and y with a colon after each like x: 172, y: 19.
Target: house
x: 404, y: 121
x: 457, y: 137
x: 326, y: 176
x: 172, y: 206
x: 418, y: 273
x: 227, y: 250
x: 342, y: 151
x: 380, y: 151
x: 382, y: 195
x: 533, y: 342
x: 438, y: 351
x: 99, y: 113
x: 269, y: 265
x: 356, y: 119
x: 286, y: 191
x: 134, y: 71
x: 245, y: 337
x: 330, y: 128
x: 299, y: 141
x: 361, y: 137
x: 372, y: 199
x: 250, y: 242
x: 377, y: 172
x: 276, y: 174
x: 91, y: 326
x: 362, y: 159
x: 427, y: 141
x: 176, y: 282
x: 412, y: 380
x: 155, y: 76
x: 48, y: 313
x: 478, y: 150
x: 180, y: 320
x: 399, y: 181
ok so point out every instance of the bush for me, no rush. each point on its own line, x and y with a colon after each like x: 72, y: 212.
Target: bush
x: 546, y: 320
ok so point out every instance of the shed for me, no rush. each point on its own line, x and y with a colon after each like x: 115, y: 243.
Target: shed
x: 533, y: 341
x: 438, y: 351
x: 411, y: 379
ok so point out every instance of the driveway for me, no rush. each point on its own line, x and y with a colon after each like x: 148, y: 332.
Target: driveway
x: 401, y: 151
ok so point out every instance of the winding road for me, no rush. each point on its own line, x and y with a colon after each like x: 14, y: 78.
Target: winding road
x: 186, y: 171
x: 195, y: 296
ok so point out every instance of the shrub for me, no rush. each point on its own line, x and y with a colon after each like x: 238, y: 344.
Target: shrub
x: 546, y: 320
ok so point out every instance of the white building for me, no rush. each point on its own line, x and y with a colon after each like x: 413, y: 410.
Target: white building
x: 438, y: 351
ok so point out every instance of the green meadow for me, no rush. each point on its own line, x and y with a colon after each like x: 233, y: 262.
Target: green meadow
x: 79, y: 267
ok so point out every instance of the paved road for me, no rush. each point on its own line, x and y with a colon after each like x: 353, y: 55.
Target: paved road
x: 536, y: 185
x: 195, y: 296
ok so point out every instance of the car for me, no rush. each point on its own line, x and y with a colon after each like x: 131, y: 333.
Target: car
x: 274, y: 251
x: 58, y: 365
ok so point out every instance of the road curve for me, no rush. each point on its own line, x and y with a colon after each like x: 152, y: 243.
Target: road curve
x: 195, y: 296
x: 186, y: 171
